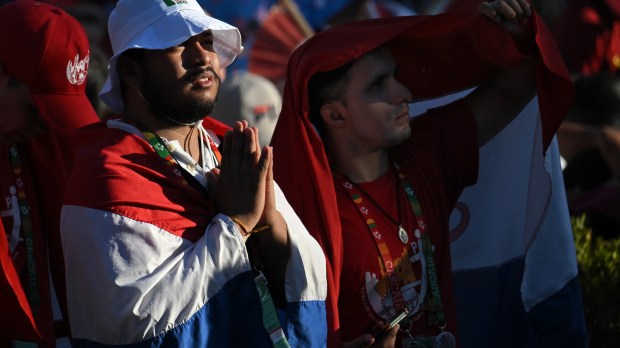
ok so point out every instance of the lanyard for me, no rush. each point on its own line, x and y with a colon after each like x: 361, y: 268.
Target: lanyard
x: 24, y: 212
x: 436, y: 316
x: 184, y: 177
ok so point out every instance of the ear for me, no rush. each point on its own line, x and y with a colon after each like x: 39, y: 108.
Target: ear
x: 129, y: 71
x: 334, y: 113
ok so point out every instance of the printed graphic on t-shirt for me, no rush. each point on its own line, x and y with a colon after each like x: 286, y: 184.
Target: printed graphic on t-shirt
x: 410, y: 269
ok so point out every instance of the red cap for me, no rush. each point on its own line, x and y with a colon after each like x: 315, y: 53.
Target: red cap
x: 47, y: 49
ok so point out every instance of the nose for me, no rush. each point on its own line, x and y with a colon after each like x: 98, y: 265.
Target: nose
x: 198, y: 55
x: 203, y: 56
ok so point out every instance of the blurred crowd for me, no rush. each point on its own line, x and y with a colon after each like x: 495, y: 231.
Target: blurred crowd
x: 586, y: 31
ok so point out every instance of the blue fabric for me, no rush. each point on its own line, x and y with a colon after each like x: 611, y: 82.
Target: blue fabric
x: 318, y: 12
x: 500, y: 319
x: 242, y: 13
x: 559, y: 320
x: 233, y: 318
x: 299, y: 332
x: 216, y: 325
x: 238, y: 12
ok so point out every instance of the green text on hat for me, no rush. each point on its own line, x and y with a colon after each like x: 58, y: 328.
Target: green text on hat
x: 174, y: 2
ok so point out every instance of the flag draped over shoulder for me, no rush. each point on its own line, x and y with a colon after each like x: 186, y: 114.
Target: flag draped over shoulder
x: 165, y: 266
x: 436, y: 55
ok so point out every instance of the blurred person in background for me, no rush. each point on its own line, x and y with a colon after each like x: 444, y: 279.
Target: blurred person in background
x: 589, y: 140
x: 250, y: 97
x: 44, y: 58
x: 588, y: 35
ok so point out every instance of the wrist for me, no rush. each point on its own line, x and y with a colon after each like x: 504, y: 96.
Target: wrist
x: 246, y: 228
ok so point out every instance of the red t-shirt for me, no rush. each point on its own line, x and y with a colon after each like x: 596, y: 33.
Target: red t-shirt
x: 445, y: 147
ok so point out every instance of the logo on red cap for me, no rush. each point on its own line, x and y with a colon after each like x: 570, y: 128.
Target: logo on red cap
x: 78, y: 69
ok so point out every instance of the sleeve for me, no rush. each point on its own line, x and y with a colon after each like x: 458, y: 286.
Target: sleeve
x: 445, y: 140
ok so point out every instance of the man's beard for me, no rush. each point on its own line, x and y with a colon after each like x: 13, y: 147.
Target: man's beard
x: 175, y: 107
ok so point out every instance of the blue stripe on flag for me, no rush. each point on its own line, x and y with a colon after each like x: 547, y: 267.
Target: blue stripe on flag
x: 306, y: 322
x: 232, y: 318
x: 491, y: 314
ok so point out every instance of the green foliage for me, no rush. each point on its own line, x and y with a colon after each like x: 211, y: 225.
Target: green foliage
x: 599, y: 268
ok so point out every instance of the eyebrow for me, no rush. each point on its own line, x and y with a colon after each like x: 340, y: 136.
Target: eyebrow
x: 202, y: 36
x: 207, y: 33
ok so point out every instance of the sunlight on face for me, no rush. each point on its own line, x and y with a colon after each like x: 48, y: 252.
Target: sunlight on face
x: 376, y: 103
x: 183, y: 82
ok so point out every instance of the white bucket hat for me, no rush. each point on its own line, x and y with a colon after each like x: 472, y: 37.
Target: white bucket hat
x: 160, y: 24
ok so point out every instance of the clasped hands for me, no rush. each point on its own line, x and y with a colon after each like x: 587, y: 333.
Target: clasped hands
x: 242, y: 188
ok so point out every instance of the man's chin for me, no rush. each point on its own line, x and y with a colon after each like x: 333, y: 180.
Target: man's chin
x: 401, y: 137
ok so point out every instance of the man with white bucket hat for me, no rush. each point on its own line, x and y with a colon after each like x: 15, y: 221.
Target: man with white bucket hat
x: 157, y: 222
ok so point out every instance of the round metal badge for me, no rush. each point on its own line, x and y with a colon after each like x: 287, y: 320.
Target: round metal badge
x: 444, y: 340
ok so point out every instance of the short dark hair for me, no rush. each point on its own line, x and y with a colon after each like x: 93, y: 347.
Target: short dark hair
x: 324, y: 87
x: 97, y: 74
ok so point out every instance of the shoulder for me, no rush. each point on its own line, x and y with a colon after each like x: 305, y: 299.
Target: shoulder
x: 106, y: 138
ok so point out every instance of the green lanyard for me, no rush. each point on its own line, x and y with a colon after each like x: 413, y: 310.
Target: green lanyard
x: 32, y: 291
x: 434, y: 306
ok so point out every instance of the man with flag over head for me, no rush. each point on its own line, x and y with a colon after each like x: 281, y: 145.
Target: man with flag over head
x: 375, y: 187
x: 174, y: 231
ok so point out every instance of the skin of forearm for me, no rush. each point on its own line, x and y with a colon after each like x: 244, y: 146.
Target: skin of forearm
x: 274, y: 250
x: 501, y: 98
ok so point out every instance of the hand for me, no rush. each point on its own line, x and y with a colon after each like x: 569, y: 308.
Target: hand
x: 513, y: 14
x: 515, y: 11
x: 270, y: 214
x: 367, y: 340
x: 239, y: 186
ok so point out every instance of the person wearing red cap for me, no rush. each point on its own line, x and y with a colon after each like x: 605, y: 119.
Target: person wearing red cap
x: 376, y: 188
x: 156, y: 224
x: 44, y: 58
